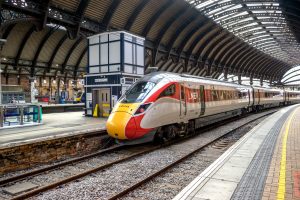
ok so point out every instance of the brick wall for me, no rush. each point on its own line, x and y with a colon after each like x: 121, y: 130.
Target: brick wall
x: 29, y: 155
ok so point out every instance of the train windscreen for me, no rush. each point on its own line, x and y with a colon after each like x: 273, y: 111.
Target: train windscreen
x: 137, y: 92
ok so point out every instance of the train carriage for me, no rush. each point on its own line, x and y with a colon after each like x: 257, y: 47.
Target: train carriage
x: 164, y: 105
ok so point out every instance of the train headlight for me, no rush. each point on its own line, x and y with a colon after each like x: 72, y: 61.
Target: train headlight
x: 142, y: 108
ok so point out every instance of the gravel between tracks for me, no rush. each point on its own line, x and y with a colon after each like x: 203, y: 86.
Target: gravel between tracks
x: 105, y: 184
x: 169, y: 184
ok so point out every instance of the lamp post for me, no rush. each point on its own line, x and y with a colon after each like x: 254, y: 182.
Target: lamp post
x: 2, y: 42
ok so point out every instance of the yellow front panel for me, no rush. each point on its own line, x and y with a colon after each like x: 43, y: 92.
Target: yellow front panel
x: 119, y: 118
x: 116, y: 124
x: 126, y: 107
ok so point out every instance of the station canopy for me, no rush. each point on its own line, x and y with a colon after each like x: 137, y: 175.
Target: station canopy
x: 249, y: 38
x: 292, y: 77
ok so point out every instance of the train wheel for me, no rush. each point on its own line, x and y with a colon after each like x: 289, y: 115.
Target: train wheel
x: 171, y: 132
x: 191, y: 127
x: 159, y: 136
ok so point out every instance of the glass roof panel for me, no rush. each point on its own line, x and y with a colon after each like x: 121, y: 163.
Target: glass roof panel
x: 292, y: 77
x: 259, y: 23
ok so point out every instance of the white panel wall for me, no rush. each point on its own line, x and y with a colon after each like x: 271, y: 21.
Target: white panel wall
x: 140, y: 55
x: 94, y: 55
x: 104, y: 54
x: 128, y: 52
x: 114, y: 52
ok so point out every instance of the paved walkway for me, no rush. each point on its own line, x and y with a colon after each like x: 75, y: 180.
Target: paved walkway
x: 264, y: 164
x: 283, y: 180
x: 54, y: 125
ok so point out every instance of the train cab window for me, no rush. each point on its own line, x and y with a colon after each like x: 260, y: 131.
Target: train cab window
x: 137, y: 92
x: 169, y: 91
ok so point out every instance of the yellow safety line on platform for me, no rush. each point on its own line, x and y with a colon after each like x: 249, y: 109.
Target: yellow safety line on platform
x: 281, y: 184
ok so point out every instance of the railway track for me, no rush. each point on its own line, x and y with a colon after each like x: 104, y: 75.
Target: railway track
x: 173, y: 164
x: 43, y: 188
x: 140, y: 152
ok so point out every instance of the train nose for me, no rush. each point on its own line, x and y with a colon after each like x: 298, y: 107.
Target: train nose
x: 121, y: 125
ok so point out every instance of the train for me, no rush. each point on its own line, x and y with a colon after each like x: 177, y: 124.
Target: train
x: 164, y: 105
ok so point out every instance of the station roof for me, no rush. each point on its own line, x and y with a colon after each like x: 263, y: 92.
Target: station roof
x: 202, y: 37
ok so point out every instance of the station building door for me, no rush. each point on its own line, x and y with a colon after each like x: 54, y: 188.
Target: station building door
x: 101, y: 96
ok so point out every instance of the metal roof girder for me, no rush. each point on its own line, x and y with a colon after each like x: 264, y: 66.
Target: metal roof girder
x: 135, y: 14
x: 167, y: 25
x: 57, y: 47
x: 236, y: 54
x: 253, y: 60
x: 223, y: 36
x: 73, y: 31
x: 224, y: 58
x: 244, y: 58
x: 22, y: 45
x: 190, y: 34
x: 110, y: 12
x: 79, y: 61
x: 155, y: 17
x: 179, y: 31
x: 64, y: 65
x: 39, y: 49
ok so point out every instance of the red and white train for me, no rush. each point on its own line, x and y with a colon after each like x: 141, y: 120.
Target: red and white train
x: 163, y: 105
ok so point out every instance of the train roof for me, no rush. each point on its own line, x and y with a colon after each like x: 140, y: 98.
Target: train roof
x: 157, y: 76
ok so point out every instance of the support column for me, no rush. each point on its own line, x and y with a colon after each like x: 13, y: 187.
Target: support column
x: 50, y: 88
x: 58, y: 91
x: 251, y: 80
x: 2, y: 42
x: 261, y: 81
x: 240, y: 79
x: 19, y: 79
x: 225, y: 76
x: 32, y: 89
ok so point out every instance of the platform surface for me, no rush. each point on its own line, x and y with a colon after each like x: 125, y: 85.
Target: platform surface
x: 54, y: 125
x: 261, y: 165
x: 61, y: 105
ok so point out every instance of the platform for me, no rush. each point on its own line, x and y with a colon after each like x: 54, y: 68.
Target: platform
x: 58, y: 108
x: 264, y: 164
x: 54, y: 125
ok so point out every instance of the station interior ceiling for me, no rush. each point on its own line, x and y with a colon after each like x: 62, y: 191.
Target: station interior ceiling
x: 258, y: 39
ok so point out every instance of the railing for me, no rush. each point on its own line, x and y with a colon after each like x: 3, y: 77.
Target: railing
x: 20, y: 114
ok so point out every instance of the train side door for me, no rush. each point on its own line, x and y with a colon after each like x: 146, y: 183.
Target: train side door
x: 202, y: 99
x: 182, y: 102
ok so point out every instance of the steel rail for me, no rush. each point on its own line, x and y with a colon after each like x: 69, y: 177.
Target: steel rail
x: 157, y: 173
x: 80, y: 175
x: 61, y: 164
x: 102, y: 167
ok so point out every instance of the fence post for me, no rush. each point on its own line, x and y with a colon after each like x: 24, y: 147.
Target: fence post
x: 1, y: 116
x: 39, y: 113
x: 21, y: 115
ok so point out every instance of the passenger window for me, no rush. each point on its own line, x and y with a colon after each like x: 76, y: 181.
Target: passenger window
x: 169, y: 91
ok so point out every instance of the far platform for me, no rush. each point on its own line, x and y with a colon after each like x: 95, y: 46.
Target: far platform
x: 58, y: 108
x: 264, y: 164
x: 54, y: 125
